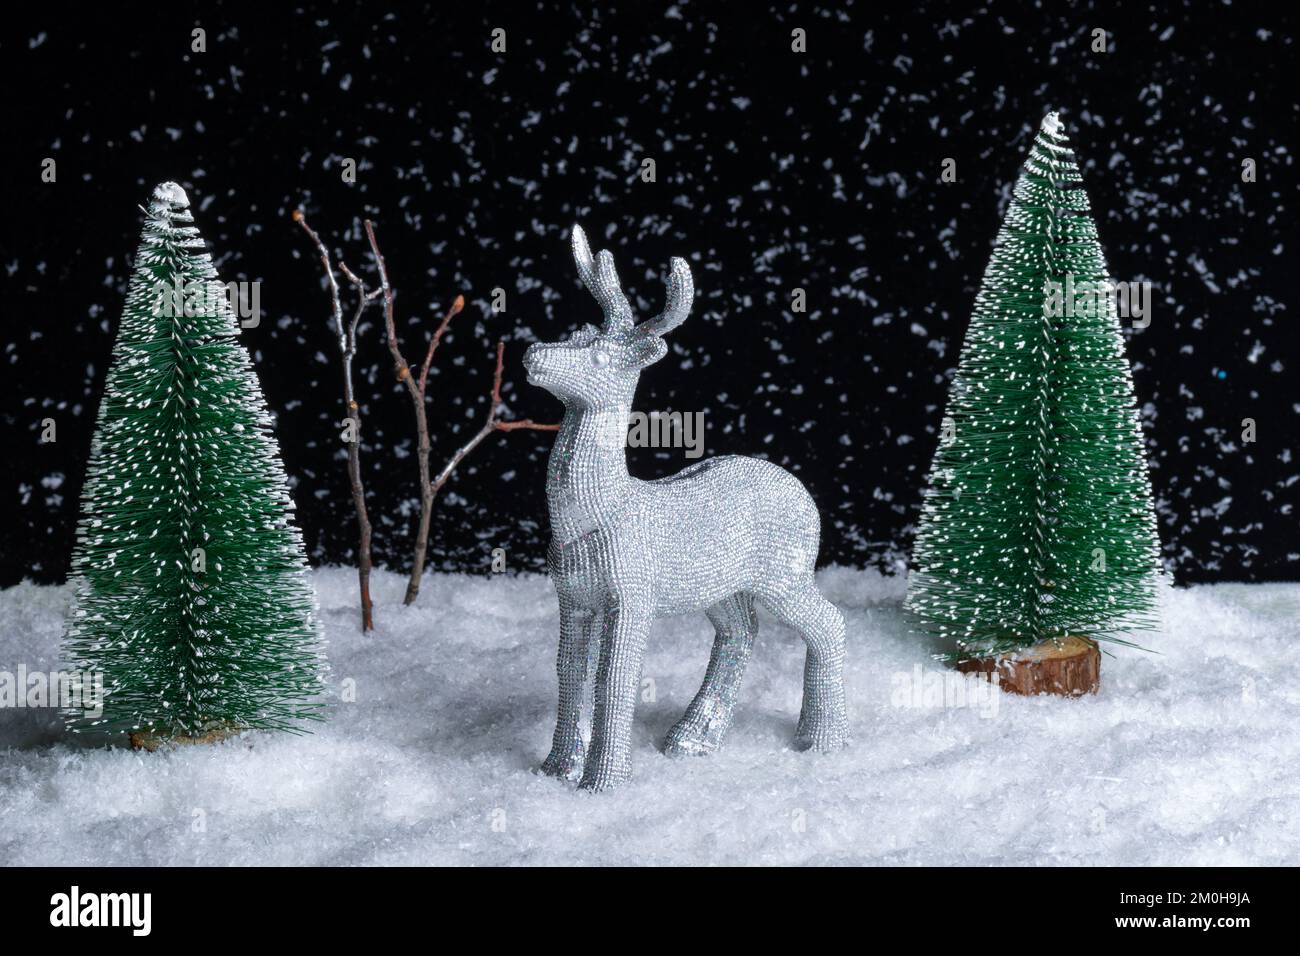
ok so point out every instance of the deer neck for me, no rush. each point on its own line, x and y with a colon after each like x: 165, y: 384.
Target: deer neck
x: 587, y: 483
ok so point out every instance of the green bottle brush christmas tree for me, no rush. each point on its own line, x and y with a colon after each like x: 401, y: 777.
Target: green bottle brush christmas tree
x: 1037, y: 526
x: 192, y: 592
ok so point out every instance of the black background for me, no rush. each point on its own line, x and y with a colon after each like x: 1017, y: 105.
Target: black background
x: 775, y: 170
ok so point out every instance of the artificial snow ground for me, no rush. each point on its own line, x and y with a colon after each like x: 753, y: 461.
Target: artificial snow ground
x: 1189, y: 756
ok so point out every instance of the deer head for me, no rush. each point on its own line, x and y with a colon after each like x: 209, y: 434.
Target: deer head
x: 599, y: 367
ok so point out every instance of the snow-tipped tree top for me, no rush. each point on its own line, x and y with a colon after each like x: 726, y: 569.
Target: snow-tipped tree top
x: 169, y: 212
x: 1051, y: 124
x: 172, y: 193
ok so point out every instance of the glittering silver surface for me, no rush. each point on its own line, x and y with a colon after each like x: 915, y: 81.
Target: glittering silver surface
x: 715, y: 537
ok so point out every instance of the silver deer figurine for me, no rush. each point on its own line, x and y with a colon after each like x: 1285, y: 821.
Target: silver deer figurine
x: 714, y: 538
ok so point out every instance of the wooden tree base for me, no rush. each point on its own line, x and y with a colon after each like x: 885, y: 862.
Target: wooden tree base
x: 1070, y: 667
x: 151, y: 741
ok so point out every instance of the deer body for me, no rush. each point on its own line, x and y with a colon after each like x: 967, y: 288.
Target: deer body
x: 695, y: 559
x: 715, y: 537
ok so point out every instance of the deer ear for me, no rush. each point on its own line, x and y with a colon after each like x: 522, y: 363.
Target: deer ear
x: 646, y: 350
x: 585, y: 335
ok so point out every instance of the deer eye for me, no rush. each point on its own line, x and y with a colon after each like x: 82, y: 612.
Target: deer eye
x: 599, y: 358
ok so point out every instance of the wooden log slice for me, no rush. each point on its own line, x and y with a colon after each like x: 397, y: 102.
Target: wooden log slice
x: 1069, y: 666
x: 151, y: 741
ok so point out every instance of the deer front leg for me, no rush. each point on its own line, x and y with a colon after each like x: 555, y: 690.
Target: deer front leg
x: 566, y: 757
x: 618, y: 677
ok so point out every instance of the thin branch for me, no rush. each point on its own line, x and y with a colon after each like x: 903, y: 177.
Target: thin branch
x: 509, y: 426
x: 524, y: 423
x: 347, y: 349
x: 492, y: 424
x: 437, y: 337
x: 416, y: 387
x: 400, y: 367
x: 336, y: 309
x: 416, y: 392
x: 364, y: 298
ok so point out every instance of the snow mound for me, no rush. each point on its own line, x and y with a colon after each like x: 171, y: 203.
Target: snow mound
x: 440, y: 717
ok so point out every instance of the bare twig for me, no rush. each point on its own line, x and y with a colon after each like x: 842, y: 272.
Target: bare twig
x: 437, y: 337
x: 492, y: 424
x: 416, y: 386
x: 416, y: 392
x: 347, y: 343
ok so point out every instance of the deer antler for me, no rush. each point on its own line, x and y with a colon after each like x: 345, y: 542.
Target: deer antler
x: 602, y: 282
x: 582, y: 258
x: 681, y: 293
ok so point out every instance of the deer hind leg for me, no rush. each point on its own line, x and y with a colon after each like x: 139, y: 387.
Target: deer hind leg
x: 823, y: 719
x: 707, y: 719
